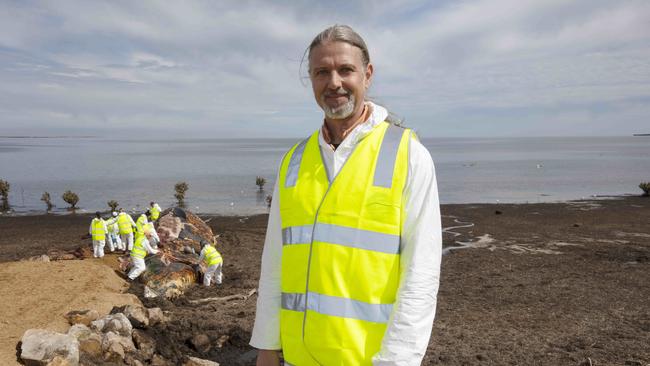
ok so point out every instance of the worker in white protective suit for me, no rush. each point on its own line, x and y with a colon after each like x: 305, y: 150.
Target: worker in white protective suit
x: 98, y: 232
x: 140, y: 224
x: 140, y: 249
x: 213, y: 261
x: 126, y: 225
x: 155, y: 209
x: 113, y: 237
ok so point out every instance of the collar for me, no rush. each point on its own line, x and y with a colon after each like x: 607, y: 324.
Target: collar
x: 375, y: 115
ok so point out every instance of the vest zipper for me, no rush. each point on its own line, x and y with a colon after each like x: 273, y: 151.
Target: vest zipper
x: 311, y: 243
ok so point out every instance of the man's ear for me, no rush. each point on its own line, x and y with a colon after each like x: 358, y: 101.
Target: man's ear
x: 369, y: 71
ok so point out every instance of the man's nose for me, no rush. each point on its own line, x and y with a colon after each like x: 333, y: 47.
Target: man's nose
x: 334, y: 80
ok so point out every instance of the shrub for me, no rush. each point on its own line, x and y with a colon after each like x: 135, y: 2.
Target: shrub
x: 70, y: 198
x: 645, y: 186
x: 113, y: 205
x: 260, y: 182
x: 269, y: 199
x: 4, y: 194
x: 180, y: 188
x: 48, y: 200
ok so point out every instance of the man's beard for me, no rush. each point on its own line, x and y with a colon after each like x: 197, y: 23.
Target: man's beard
x: 342, y: 111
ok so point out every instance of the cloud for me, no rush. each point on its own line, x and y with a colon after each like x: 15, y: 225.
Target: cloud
x: 218, y: 69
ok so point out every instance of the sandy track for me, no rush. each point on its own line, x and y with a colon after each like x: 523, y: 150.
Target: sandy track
x: 38, y: 294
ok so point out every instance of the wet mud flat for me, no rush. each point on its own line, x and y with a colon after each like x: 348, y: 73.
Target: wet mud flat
x: 535, y: 284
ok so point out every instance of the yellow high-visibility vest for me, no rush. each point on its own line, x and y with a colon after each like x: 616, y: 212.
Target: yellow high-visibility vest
x: 99, y: 233
x: 138, y: 250
x: 341, y: 248
x: 149, y: 227
x: 212, y: 256
x: 140, y: 225
x: 124, y: 223
x: 155, y: 213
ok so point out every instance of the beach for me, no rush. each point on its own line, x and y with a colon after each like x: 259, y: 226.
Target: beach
x: 527, y: 284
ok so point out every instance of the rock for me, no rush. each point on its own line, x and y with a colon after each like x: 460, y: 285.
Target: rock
x: 43, y: 346
x: 145, y: 344
x: 84, y: 317
x: 633, y: 363
x: 149, y: 293
x: 115, y: 347
x: 222, y: 340
x: 155, y: 315
x: 201, y: 343
x: 132, y: 361
x: 137, y: 315
x: 90, y: 342
x: 59, y: 361
x: 38, y: 258
x: 159, y: 360
x: 193, y: 361
x: 497, y: 212
x: 248, y: 357
x: 576, y: 225
x: 116, y: 323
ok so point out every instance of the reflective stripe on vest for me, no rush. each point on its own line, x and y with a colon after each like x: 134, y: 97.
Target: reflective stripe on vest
x: 341, y: 235
x: 124, y: 223
x: 341, y: 248
x: 337, y: 306
x: 138, y: 250
x: 98, y: 230
x: 212, y: 256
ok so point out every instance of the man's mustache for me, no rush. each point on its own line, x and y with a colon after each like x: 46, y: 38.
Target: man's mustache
x: 339, y: 91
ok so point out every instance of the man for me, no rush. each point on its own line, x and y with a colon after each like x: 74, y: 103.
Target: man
x: 139, y: 251
x: 213, y: 263
x: 351, y: 260
x: 154, y: 209
x: 140, y: 224
x: 126, y: 224
x: 114, y: 241
x: 98, y: 232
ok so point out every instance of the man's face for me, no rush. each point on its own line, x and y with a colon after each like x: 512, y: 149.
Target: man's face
x: 338, y: 78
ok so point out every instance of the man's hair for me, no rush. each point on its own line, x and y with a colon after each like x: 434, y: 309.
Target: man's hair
x: 341, y: 33
x: 345, y: 33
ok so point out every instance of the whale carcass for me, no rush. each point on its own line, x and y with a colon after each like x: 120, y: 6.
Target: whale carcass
x: 170, y: 272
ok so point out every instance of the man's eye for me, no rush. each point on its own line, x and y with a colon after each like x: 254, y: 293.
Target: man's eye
x: 321, y: 72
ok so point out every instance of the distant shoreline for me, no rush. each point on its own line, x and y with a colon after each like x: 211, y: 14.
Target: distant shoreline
x: 81, y: 212
x: 641, y: 134
x: 47, y: 137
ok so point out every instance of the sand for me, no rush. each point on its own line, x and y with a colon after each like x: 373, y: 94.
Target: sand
x: 38, y: 294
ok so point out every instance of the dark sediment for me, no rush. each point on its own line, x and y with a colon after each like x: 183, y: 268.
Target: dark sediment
x: 552, y: 284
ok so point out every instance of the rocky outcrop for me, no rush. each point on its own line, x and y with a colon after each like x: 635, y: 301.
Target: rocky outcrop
x: 109, y: 340
x: 42, y: 347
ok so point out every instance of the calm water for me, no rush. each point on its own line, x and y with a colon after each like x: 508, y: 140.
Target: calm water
x: 221, y: 173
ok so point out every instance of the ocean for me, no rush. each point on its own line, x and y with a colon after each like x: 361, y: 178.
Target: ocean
x: 221, y: 172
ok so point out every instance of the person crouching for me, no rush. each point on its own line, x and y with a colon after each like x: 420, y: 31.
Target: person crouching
x: 140, y: 249
x: 213, y: 261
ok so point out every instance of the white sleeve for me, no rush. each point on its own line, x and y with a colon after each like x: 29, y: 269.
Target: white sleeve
x: 409, y: 328
x: 90, y: 229
x: 266, y: 331
x: 147, y: 247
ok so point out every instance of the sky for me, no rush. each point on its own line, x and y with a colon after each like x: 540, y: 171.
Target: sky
x: 224, y: 69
